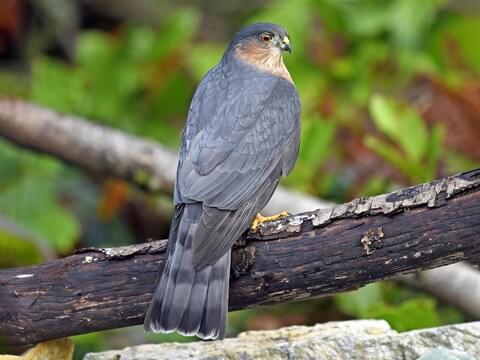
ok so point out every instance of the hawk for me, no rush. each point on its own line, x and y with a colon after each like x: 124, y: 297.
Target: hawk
x: 241, y: 135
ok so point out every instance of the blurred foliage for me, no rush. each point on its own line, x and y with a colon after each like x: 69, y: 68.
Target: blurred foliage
x: 397, y: 306
x: 21, y: 252
x: 367, y: 126
x: 28, y: 194
x: 417, y: 153
x: 125, y: 81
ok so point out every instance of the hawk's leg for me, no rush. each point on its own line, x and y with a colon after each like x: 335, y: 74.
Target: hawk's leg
x: 259, y: 219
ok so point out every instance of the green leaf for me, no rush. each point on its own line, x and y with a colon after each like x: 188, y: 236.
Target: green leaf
x: 18, y: 251
x: 32, y: 202
x: 413, y: 150
x: 465, y: 32
x: 409, y: 315
x: 138, y: 44
x: 13, y: 84
x: 457, y: 162
x: 95, y: 50
x: 384, y: 115
x: 375, y: 185
x: 315, y: 149
x: 388, y: 152
x: 451, y: 315
x: 317, y: 137
x: 434, y: 148
x: 361, y: 302
x: 410, y: 21
x: 370, y: 302
x: 413, y: 135
x: 55, y: 85
x: 367, y: 20
x: 91, y: 342
x: 178, y: 30
x: 203, y: 57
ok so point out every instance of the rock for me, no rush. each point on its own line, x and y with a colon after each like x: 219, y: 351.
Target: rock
x: 346, y: 340
x: 59, y: 349
x: 441, y: 353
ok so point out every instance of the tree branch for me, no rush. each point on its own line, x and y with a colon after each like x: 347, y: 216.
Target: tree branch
x: 304, y: 256
x: 100, y: 149
x: 92, y: 147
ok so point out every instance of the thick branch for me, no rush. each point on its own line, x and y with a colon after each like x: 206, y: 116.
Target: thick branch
x: 151, y: 166
x: 304, y: 256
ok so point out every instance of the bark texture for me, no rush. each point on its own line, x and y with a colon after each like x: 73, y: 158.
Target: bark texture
x: 100, y: 149
x: 304, y: 256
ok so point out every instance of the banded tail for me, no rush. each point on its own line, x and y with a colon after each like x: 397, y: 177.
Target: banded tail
x: 188, y: 300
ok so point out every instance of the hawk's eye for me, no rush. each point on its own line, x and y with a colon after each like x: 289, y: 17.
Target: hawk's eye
x: 266, y: 37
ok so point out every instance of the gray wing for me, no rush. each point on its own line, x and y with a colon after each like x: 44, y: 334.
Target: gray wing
x: 239, y: 140
x: 204, y: 102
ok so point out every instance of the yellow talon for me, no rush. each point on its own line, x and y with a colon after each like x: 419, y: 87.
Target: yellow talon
x: 259, y: 219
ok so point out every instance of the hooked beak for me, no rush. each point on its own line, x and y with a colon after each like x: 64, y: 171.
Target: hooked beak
x: 285, y: 46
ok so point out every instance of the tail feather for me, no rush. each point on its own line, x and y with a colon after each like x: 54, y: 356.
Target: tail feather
x: 189, y: 300
x: 214, y: 321
x: 192, y: 318
x: 180, y: 282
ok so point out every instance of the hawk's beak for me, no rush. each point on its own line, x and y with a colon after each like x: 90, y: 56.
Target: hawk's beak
x: 285, y: 46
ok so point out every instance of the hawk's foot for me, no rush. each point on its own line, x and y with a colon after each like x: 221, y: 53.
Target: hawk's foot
x: 259, y: 219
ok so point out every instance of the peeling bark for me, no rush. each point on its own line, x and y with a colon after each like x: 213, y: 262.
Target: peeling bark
x: 303, y: 256
x: 432, y: 194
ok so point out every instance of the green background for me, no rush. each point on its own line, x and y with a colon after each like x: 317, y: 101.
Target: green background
x: 386, y: 87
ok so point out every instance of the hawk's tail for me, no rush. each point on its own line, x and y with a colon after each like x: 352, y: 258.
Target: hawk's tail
x: 190, y: 301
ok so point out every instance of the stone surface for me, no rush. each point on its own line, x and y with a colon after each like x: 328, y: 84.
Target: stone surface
x: 441, y: 353
x: 349, y: 340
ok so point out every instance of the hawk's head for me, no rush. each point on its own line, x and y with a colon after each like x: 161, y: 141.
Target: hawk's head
x: 263, y: 36
x: 261, y: 45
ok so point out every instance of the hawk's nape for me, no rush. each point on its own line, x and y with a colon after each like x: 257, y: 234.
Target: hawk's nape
x: 241, y: 136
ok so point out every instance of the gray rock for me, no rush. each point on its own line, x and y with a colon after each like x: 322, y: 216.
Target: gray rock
x: 348, y: 340
x: 441, y: 353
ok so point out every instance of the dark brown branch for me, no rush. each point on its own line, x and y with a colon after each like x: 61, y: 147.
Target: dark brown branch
x: 100, y: 149
x: 304, y: 256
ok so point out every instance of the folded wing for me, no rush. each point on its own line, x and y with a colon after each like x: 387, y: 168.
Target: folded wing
x: 234, y: 155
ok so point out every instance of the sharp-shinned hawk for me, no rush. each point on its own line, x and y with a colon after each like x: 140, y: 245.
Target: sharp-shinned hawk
x: 242, y: 134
